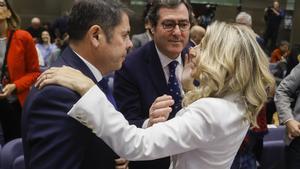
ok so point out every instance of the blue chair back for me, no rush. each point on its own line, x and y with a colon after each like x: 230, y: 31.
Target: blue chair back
x: 273, y: 153
x: 10, y: 152
x: 275, y: 134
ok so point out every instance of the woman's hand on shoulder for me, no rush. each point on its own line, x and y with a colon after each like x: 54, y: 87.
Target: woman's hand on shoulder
x: 67, y: 77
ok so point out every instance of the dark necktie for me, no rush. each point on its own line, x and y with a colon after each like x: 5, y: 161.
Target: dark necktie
x: 174, y: 89
x: 103, y: 84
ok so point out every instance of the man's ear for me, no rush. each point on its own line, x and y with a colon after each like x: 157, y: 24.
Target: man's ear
x: 96, y: 35
x: 152, y: 30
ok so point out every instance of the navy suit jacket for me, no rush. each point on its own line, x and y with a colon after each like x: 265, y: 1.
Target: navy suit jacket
x: 136, y: 85
x: 52, y: 139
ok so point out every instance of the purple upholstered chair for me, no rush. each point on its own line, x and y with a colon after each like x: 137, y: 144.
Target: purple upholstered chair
x: 273, y: 154
x: 10, y: 151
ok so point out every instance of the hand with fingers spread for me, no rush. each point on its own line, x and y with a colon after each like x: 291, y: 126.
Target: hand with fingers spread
x: 160, y: 109
x: 67, y: 77
x: 121, y: 163
x: 189, y: 69
x: 293, y: 127
x: 7, y: 90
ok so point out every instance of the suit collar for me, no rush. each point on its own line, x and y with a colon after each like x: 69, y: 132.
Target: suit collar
x: 71, y: 59
x: 97, y: 74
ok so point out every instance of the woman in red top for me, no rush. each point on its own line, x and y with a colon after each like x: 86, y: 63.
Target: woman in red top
x: 281, y: 53
x: 19, y: 69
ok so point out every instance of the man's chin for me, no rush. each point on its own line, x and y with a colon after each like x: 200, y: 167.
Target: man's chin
x: 119, y: 66
x: 175, y: 50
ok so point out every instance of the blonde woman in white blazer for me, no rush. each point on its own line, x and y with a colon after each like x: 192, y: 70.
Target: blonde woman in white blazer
x: 207, y: 132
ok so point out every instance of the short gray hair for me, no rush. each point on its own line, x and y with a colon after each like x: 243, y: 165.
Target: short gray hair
x: 244, y: 18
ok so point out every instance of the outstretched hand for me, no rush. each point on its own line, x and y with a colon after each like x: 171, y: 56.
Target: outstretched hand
x: 67, y: 77
x: 160, y: 109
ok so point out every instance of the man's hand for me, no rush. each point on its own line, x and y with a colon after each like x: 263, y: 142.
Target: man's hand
x: 160, y: 109
x: 121, y: 163
x: 7, y: 90
x: 293, y: 127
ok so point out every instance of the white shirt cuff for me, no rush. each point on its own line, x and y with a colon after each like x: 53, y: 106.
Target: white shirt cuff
x: 145, y: 124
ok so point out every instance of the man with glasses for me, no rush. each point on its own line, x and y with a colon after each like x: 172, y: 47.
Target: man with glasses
x: 154, y: 70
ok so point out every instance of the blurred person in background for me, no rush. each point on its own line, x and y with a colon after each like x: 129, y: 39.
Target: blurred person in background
x: 281, y: 53
x: 293, y: 59
x: 48, y: 50
x: 60, y: 27
x: 196, y: 34
x: 19, y: 70
x: 35, y: 29
x: 279, y: 59
x: 141, y: 39
x: 246, y: 19
x: 273, y: 16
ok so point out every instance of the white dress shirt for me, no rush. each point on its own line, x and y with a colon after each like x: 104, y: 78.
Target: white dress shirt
x: 205, y: 135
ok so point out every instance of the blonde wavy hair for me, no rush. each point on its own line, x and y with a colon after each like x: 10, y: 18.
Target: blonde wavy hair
x: 229, y: 60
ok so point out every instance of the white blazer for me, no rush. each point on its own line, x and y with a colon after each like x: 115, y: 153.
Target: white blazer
x: 205, y: 135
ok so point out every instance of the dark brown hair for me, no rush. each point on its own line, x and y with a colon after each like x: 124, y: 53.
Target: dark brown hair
x: 14, y: 21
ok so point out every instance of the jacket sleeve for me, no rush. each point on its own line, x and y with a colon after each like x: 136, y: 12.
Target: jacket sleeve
x: 285, y: 93
x: 193, y: 129
x: 128, y: 98
x: 32, y: 70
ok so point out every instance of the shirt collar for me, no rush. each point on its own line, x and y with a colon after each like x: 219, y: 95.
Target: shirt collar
x: 165, y: 60
x: 97, y: 74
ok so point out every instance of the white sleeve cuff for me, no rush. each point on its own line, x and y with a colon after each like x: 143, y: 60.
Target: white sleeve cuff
x: 145, y: 124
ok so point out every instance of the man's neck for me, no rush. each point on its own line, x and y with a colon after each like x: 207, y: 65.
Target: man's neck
x: 80, y: 49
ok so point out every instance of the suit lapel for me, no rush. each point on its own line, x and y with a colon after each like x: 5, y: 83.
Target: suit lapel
x: 155, y: 69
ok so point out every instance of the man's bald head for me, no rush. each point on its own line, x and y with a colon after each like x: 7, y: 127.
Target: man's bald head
x: 196, y: 33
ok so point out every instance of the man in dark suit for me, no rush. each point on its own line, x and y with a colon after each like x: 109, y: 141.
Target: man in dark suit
x: 99, y: 40
x: 145, y: 75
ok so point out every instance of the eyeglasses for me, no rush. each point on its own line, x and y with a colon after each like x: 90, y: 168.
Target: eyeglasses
x: 2, y: 4
x: 169, y: 25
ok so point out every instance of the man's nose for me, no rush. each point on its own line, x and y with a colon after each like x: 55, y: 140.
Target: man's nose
x: 176, y: 30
